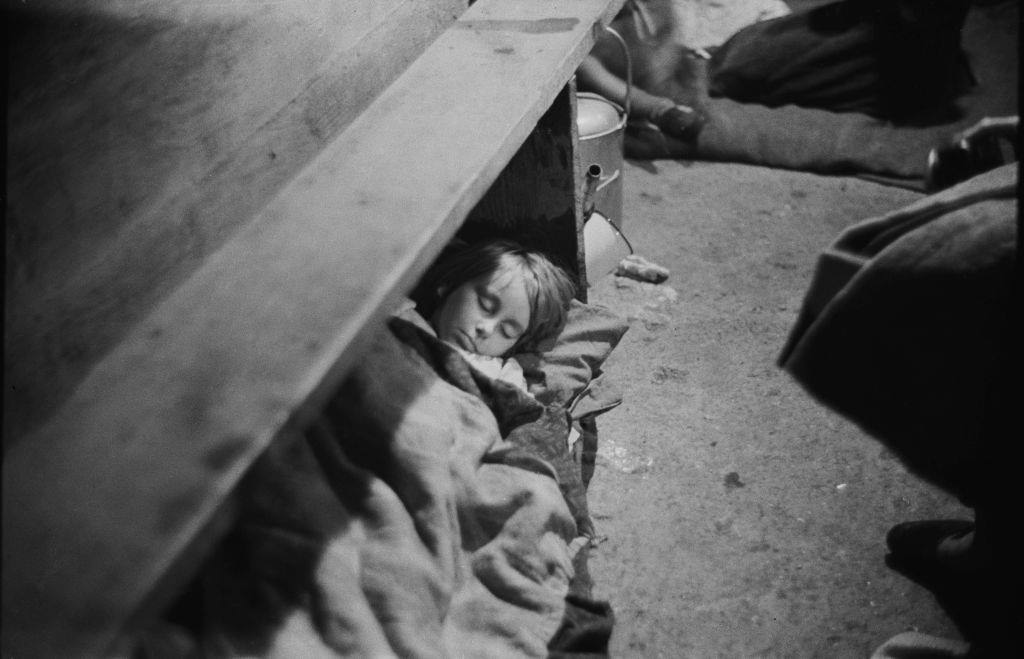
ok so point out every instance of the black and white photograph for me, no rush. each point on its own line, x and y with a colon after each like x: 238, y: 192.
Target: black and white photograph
x: 542, y: 329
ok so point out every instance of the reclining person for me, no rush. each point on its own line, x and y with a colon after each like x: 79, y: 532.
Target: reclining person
x: 912, y: 329
x: 794, y: 91
x: 490, y: 299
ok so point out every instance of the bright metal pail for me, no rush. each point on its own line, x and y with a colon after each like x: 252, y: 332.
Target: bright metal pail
x: 604, y: 245
x: 601, y: 125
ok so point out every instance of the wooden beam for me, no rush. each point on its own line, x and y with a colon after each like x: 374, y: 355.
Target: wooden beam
x: 111, y: 495
x: 535, y: 200
x: 144, y: 134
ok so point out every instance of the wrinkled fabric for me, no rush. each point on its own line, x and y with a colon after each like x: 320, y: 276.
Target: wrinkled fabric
x: 567, y: 364
x: 910, y: 326
x: 819, y: 109
x: 708, y: 23
x: 892, y: 59
x: 402, y: 522
x: 908, y: 645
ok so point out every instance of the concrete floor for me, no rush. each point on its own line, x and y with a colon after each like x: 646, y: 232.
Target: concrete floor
x: 739, y: 517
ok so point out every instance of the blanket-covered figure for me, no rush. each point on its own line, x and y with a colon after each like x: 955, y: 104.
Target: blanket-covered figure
x: 912, y: 329
x: 428, y: 510
x: 495, y: 297
x: 399, y: 524
x: 841, y: 87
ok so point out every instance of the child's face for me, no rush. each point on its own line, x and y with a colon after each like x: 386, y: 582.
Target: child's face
x: 486, y: 315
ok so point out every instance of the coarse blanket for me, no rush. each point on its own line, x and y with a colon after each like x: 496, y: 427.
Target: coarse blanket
x: 793, y: 114
x: 428, y: 511
x: 910, y: 326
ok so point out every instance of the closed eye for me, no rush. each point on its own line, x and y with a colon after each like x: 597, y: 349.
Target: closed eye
x: 488, y: 303
x: 511, y: 330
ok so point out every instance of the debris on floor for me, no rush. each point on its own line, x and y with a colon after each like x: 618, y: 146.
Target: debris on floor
x: 637, y: 267
x: 732, y: 481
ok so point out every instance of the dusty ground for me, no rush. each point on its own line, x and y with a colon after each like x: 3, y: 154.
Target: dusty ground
x: 741, y: 518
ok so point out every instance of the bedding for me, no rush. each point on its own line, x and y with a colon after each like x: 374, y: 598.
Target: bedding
x: 908, y: 329
x: 709, y: 23
x: 564, y: 366
x: 776, y: 131
x: 428, y: 511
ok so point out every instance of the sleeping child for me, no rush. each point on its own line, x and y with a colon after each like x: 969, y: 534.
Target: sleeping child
x: 426, y: 505
x: 492, y: 299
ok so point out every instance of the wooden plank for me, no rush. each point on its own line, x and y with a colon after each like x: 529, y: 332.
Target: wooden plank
x: 144, y: 133
x: 103, y: 501
x: 535, y: 200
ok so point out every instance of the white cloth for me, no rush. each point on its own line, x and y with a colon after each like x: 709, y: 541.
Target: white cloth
x: 497, y: 368
x: 708, y: 23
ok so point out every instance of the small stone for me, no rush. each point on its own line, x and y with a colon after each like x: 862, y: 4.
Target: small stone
x: 732, y: 481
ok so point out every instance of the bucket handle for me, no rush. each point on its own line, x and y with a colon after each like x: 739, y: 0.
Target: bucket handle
x: 629, y: 67
x: 605, y: 180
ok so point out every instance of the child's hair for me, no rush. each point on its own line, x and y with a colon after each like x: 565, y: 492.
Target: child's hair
x: 548, y: 286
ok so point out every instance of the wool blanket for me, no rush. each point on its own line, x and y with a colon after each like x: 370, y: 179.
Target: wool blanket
x: 428, y: 511
x: 910, y: 327
x: 792, y: 94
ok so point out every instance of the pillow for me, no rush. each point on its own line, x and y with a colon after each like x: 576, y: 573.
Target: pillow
x: 564, y: 366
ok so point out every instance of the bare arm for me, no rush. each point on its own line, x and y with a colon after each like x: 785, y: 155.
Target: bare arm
x: 673, y: 119
x: 595, y: 77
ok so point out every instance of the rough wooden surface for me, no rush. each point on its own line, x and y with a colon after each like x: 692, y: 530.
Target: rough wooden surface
x: 108, y: 498
x: 534, y: 202
x: 143, y: 134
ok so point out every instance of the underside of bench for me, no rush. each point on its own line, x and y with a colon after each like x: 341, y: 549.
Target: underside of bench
x: 112, y: 499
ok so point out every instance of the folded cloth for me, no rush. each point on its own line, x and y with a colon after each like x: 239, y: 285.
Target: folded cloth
x: 894, y: 60
x: 400, y: 522
x: 915, y: 644
x: 787, y: 94
x: 709, y: 23
x: 497, y: 368
x: 907, y: 328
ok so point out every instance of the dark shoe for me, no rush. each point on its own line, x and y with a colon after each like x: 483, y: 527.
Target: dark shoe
x: 913, y: 548
x: 920, y: 538
x: 645, y: 141
x: 681, y: 122
x: 953, y: 162
x: 966, y: 595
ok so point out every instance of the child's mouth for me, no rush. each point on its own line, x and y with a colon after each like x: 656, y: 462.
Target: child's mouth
x: 466, y: 342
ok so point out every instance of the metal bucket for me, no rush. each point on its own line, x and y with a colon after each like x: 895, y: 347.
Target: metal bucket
x: 604, y: 245
x: 601, y: 125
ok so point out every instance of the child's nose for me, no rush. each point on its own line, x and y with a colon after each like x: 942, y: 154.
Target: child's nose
x: 484, y: 327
